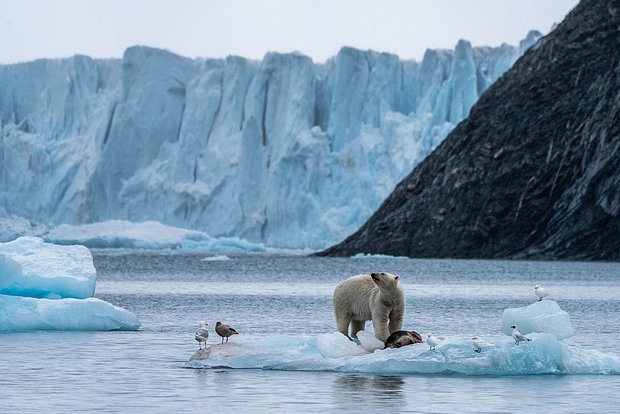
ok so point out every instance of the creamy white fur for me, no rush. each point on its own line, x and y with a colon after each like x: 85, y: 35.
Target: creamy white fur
x: 376, y: 297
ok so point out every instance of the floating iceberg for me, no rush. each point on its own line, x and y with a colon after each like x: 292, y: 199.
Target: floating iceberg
x: 31, y: 267
x: 146, y: 235
x: 13, y: 226
x: 543, y: 355
x: 376, y: 256
x: 216, y: 258
x: 18, y: 313
x: 45, y: 286
x: 544, y: 316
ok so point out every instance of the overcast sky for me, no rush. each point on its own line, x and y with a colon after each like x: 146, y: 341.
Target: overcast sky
x: 32, y: 29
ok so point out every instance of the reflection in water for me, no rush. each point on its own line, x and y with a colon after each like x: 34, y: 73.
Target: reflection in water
x: 363, y: 390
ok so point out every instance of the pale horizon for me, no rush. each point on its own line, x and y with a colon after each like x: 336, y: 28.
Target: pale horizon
x: 36, y: 29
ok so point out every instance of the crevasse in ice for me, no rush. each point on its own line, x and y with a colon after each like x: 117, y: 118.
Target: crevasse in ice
x: 283, y: 152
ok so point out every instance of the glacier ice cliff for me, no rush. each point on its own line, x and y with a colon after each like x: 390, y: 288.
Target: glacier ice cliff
x: 283, y: 151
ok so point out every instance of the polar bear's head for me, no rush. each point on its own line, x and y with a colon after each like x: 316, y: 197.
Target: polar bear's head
x: 385, y: 280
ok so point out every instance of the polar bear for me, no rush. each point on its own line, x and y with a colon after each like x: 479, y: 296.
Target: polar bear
x: 378, y: 297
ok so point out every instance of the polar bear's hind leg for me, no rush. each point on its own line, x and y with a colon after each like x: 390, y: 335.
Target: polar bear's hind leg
x: 342, y: 322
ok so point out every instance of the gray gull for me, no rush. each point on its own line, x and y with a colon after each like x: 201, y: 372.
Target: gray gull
x: 202, y: 334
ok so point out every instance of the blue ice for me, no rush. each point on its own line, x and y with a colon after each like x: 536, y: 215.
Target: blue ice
x: 543, y: 322
x: 50, y: 287
x: 255, y: 149
x: 19, y: 313
x: 544, y: 316
x: 31, y: 267
x: 145, y: 235
x: 543, y: 355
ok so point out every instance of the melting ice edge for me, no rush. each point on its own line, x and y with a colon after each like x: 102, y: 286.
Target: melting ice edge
x: 543, y: 355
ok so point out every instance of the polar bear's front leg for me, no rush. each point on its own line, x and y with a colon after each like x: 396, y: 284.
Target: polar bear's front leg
x: 396, y: 320
x: 380, y: 323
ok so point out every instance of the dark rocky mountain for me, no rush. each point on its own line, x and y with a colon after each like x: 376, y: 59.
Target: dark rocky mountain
x: 533, y: 172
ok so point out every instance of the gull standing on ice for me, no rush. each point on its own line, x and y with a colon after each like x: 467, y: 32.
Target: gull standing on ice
x: 224, y: 331
x: 432, y: 341
x: 518, y: 336
x: 480, y: 344
x: 202, y: 334
x: 540, y: 292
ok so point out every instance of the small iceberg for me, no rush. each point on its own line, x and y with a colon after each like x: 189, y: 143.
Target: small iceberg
x: 146, y: 235
x: 545, y: 323
x: 216, y: 258
x: 31, y: 267
x: 124, y: 234
x: 18, y: 313
x: 376, y: 256
x: 12, y: 227
x: 50, y: 287
x: 544, y: 316
x: 543, y: 355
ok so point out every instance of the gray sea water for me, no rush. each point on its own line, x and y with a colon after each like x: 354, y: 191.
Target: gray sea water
x: 263, y: 295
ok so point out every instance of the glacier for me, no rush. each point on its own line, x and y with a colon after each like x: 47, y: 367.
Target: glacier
x: 44, y: 286
x: 282, y: 152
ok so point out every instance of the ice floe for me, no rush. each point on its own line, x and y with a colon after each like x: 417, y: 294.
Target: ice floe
x: 146, y: 235
x: 456, y: 355
x: 50, y: 287
x: 544, y: 322
x: 544, y: 316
